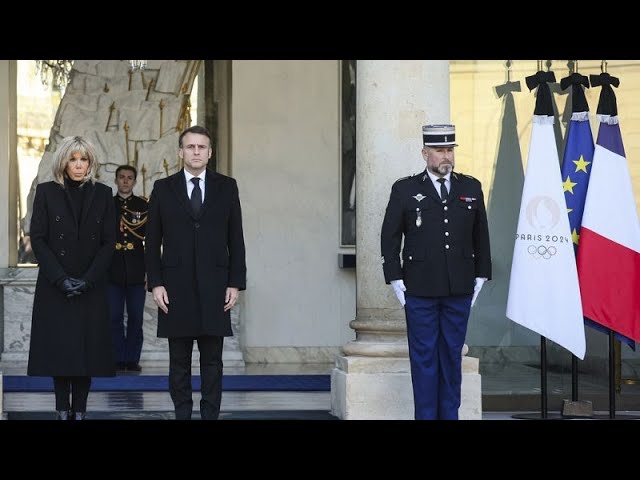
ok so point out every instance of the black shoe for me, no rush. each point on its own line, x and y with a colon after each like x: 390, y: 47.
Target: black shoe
x: 62, y: 415
x: 134, y: 367
x: 121, y: 366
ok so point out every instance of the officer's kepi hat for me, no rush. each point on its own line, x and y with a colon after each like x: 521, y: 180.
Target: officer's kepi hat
x: 439, y: 136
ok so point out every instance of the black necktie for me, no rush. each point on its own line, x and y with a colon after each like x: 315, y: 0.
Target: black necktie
x: 196, y: 196
x: 443, y: 190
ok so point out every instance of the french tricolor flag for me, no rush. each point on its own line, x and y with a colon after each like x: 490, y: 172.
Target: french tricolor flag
x: 609, y: 249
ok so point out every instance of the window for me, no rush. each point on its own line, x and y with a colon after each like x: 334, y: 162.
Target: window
x: 348, y: 163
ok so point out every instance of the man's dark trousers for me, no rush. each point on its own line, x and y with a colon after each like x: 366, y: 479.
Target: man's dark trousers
x: 436, y: 330
x: 180, y: 350
x: 129, y: 348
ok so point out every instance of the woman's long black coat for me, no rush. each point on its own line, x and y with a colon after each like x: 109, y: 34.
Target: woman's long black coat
x: 72, y: 337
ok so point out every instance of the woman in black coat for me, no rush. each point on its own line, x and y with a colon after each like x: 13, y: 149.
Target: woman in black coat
x: 73, y: 238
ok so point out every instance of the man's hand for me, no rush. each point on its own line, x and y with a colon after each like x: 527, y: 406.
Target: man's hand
x: 399, y: 289
x: 161, y: 298
x: 230, y: 298
x: 476, y: 289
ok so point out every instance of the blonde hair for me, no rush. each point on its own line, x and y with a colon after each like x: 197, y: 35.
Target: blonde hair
x: 67, y: 147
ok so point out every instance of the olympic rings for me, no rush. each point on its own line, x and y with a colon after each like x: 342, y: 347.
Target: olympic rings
x: 541, y: 251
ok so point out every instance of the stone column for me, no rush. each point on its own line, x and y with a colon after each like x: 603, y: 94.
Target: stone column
x: 372, y: 379
x: 8, y: 159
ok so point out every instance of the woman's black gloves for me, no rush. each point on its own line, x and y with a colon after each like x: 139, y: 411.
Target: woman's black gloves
x: 72, y: 286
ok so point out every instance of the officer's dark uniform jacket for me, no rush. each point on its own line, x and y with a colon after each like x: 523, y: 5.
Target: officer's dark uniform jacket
x: 127, y: 266
x: 446, y: 245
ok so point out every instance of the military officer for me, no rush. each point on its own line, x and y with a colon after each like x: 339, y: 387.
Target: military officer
x: 445, y: 260
x: 127, y: 273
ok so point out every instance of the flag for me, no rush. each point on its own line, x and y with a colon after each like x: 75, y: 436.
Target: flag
x: 576, y: 168
x: 544, y: 294
x: 609, y: 251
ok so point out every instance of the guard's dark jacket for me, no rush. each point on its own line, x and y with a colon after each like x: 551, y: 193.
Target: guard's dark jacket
x: 195, y: 257
x: 72, y: 336
x: 445, y: 245
x: 127, y: 265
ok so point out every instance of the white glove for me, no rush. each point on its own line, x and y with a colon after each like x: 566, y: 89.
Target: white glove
x: 399, y: 289
x: 476, y: 288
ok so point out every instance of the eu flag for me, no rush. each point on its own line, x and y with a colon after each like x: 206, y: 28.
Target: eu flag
x: 576, y: 168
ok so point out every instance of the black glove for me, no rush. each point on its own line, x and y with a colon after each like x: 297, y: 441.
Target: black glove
x: 67, y: 286
x: 79, y: 285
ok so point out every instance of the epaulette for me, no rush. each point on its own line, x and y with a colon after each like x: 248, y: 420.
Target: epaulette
x: 403, y: 178
x: 455, y: 174
x: 143, y: 197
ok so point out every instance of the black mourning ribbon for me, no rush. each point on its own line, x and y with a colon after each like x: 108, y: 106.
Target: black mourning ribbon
x: 607, y: 104
x: 443, y: 190
x: 541, y: 79
x: 578, y: 98
x: 196, y: 196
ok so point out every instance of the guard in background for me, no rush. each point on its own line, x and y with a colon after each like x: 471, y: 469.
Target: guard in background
x: 127, y: 273
x: 445, y: 260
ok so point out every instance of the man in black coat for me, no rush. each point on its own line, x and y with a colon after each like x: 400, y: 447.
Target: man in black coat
x: 445, y: 260
x: 195, y: 216
x: 127, y: 274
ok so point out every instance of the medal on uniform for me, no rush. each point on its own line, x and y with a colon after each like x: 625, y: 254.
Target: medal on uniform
x: 418, y: 217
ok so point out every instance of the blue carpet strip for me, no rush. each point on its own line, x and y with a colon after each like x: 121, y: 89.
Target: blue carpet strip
x: 149, y: 415
x: 160, y: 383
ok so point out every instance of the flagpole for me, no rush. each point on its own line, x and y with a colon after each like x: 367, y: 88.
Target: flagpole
x: 612, y: 382
x: 578, y: 148
x: 543, y: 263
x: 574, y: 378
x: 543, y: 340
x: 610, y: 304
x: 574, y: 359
x: 543, y: 376
x: 612, y: 375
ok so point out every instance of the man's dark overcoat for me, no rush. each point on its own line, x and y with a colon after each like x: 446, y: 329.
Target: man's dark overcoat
x: 195, y: 257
